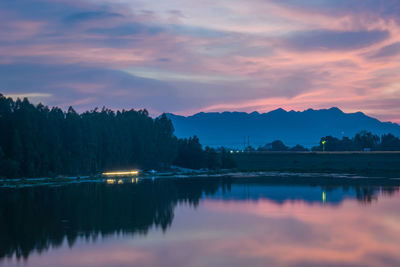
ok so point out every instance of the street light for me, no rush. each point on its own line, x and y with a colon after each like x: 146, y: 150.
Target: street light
x: 323, y: 145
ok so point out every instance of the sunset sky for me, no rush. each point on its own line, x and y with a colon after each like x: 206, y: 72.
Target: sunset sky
x: 186, y: 56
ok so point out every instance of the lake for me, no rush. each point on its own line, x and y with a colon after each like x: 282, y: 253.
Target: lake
x: 219, y: 221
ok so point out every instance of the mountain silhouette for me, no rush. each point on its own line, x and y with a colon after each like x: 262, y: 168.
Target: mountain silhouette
x: 232, y: 129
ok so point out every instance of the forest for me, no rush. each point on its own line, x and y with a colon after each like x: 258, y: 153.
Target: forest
x: 38, y: 141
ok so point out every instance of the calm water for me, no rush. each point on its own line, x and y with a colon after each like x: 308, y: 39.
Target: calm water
x: 203, y: 222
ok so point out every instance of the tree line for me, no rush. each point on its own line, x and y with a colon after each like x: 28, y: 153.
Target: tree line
x: 191, y: 155
x: 362, y: 141
x: 38, y: 141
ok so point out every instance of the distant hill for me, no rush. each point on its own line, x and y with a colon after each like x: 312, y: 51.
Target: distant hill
x: 232, y: 129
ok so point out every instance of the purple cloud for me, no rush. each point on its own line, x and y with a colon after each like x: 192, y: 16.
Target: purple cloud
x: 334, y: 40
x: 73, y: 83
x: 387, y: 9
x: 387, y: 51
x: 90, y: 15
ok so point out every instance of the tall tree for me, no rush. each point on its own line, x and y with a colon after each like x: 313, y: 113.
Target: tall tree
x: 38, y: 141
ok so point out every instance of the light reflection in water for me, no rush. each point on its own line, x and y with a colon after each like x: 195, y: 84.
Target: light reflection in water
x: 121, y: 181
x: 234, y: 223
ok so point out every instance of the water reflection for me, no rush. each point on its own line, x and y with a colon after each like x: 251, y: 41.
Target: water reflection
x: 39, y: 218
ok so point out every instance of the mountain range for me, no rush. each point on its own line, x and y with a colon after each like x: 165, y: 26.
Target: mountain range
x: 237, y: 129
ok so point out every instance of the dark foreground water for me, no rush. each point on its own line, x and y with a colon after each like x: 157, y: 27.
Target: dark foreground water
x: 203, y: 222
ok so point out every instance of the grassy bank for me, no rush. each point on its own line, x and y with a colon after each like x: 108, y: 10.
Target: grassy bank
x: 377, y: 163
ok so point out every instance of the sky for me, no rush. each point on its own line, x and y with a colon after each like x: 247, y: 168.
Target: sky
x: 186, y: 56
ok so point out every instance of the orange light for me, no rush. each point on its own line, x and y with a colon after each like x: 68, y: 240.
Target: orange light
x: 121, y: 173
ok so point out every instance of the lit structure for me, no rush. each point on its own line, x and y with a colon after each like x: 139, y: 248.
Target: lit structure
x: 122, y: 173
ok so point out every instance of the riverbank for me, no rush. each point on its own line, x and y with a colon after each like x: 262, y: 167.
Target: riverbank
x: 271, y: 176
x: 365, y: 163
x: 293, y: 165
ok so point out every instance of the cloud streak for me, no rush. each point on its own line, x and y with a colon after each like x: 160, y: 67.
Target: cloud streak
x: 333, y: 40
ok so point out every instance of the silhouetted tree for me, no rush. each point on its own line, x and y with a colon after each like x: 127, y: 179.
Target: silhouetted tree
x: 389, y: 142
x: 190, y: 153
x: 366, y: 139
x: 278, y: 145
x: 347, y: 144
x: 298, y: 148
x: 227, y: 161
x: 212, y: 159
x: 360, y: 141
x: 38, y: 141
x: 331, y: 143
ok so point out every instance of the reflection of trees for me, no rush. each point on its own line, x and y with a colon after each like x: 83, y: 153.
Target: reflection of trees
x: 365, y: 190
x: 35, y: 219
x: 363, y: 193
x: 367, y: 194
x: 42, y: 217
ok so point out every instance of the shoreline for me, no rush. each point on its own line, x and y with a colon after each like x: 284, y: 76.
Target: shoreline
x: 272, y: 175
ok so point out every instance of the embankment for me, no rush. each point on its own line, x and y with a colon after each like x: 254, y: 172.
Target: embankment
x: 377, y: 163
